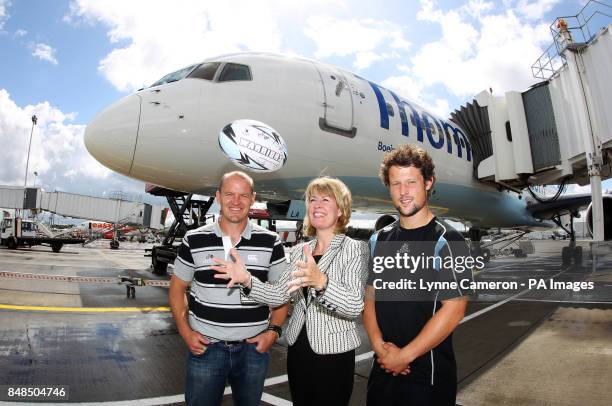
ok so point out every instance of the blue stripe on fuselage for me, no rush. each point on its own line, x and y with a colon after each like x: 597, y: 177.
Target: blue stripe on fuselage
x: 422, y: 121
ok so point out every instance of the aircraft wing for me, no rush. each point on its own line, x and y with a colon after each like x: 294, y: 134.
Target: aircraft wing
x: 563, y: 205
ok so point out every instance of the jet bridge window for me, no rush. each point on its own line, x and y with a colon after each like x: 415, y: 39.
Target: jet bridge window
x: 174, y: 76
x: 234, y: 71
x: 205, y: 71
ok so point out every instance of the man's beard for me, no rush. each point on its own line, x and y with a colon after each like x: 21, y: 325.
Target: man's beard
x: 410, y: 211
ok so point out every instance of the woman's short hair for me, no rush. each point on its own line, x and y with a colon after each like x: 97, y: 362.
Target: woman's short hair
x: 336, y: 189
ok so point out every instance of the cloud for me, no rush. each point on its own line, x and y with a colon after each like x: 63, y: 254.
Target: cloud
x: 407, y: 86
x: 365, y: 59
x: 404, y: 85
x: 367, y: 40
x: 535, y: 9
x: 57, y: 151
x: 476, y: 8
x: 479, y: 47
x: 496, y: 51
x: 154, y: 38
x: 4, y: 4
x: 20, y: 33
x: 44, y: 52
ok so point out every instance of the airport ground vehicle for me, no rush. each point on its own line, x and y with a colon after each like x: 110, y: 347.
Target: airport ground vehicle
x: 17, y: 232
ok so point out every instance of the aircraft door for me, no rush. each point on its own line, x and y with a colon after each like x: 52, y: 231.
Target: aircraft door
x: 338, y: 102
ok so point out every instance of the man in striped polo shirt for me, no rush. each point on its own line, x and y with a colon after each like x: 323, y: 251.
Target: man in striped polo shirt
x: 228, y: 337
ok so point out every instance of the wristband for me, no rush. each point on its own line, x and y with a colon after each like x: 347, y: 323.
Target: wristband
x: 277, y: 329
x: 244, y: 287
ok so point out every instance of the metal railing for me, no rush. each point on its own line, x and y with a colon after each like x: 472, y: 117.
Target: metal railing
x: 571, y: 32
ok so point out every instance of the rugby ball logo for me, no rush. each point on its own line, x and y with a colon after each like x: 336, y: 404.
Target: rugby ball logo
x: 253, y: 145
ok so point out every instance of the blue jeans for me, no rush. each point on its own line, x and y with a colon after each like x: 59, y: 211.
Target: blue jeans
x: 240, y: 364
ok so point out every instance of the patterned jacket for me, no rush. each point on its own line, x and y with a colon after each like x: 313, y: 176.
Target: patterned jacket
x: 330, y: 317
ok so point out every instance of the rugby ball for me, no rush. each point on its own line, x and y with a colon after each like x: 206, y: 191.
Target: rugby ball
x: 253, y: 146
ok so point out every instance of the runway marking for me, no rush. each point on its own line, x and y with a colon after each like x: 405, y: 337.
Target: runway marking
x: 495, y: 269
x: 136, y: 402
x: 113, y: 259
x: 275, y: 400
x: 364, y: 356
x: 114, y: 280
x: 500, y: 303
x: 563, y: 301
x: 86, y: 309
x: 56, y: 265
x: 165, y: 400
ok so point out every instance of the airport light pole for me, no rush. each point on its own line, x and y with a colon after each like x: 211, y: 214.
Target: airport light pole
x: 25, y: 182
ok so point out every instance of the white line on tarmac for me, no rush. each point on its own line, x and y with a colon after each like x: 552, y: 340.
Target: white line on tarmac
x: 164, y: 400
x: 266, y: 397
x: 364, y: 356
x: 495, y: 269
x: 275, y: 400
x: 493, y: 306
x: 119, y: 262
x: 563, y: 301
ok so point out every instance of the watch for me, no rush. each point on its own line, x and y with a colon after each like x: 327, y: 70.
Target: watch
x: 277, y: 329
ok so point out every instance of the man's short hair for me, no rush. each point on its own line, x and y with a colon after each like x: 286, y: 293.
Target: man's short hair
x: 406, y: 155
x: 335, y: 189
x: 237, y: 173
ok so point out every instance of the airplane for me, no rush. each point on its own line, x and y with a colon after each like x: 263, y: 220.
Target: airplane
x: 333, y: 122
x: 107, y: 230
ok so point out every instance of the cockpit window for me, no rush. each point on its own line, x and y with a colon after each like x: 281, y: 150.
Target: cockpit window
x: 205, y: 71
x: 234, y: 71
x: 174, y: 76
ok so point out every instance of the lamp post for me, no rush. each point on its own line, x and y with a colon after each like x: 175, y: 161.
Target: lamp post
x: 25, y: 183
x: 35, y: 176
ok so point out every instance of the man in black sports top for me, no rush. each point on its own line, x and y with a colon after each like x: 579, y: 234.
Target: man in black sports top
x: 410, y: 328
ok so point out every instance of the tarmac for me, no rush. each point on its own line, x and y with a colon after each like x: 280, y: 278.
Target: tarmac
x: 523, y: 347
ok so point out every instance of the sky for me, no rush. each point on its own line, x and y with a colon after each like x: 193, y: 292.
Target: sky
x: 65, y: 60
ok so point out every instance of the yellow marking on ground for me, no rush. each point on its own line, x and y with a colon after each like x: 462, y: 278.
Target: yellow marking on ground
x: 86, y: 309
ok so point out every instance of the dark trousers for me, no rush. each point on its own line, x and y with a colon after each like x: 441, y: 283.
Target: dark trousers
x: 384, y: 389
x: 319, y: 380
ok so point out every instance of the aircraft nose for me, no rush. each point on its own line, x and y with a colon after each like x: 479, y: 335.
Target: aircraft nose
x: 111, y: 136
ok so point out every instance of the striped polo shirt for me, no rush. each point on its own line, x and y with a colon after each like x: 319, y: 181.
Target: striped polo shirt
x: 216, y: 311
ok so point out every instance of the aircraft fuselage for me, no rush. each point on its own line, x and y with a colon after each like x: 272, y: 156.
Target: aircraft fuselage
x: 334, y: 123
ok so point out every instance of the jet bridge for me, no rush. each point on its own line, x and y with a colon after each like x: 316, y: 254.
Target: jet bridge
x: 560, y: 130
x: 84, y: 207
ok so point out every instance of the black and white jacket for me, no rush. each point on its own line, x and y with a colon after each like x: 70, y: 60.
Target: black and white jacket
x: 330, y: 317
